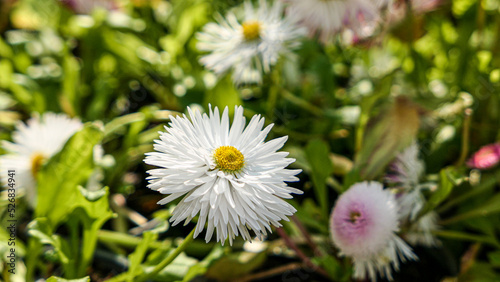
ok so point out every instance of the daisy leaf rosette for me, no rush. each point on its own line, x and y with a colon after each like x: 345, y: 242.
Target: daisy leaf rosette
x: 227, y: 175
x: 249, y: 47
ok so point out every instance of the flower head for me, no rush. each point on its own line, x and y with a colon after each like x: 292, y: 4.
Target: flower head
x: 405, y: 173
x: 420, y: 232
x: 487, y: 157
x: 227, y: 175
x: 35, y: 143
x: 329, y: 17
x: 87, y: 6
x: 251, y: 46
x: 363, y: 225
x: 407, y: 168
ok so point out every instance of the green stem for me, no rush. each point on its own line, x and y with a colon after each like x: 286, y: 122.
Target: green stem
x: 305, y: 105
x: 128, y: 241
x: 159, y: 267
x: 88, y: 248
x: 34, y: 247
x: 485, y: 185
x: 465, y: 138
x: 360, y: 130
x: 74, y: 247
x: 117, y: 123
x: 466, y: 237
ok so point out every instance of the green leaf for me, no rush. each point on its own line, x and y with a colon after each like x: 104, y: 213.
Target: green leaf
x: 224, y: 94
x: 137, y: 256
x: 480, y: 272
x: 351, y: 178
x: 490, y: 207
x: 203, y: 266
x: 59, y: 279
x: 70, y: 85
x: 331, y: 265
x: 41, y: 228
x: 494, y: 258
x: 92, y: 214
x: 59, y: 179
x: 317, y: 152
x: 235, y: 265
x: 176, y: 270
x: 445, y: 186
x: 457, y: 235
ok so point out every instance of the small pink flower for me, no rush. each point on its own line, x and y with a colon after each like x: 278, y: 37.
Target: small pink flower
x: 87, y: 6
x: 487, y: 157
x: 363, y: 225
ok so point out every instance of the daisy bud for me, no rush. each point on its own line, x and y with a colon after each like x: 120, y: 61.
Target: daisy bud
x: 487, y: 157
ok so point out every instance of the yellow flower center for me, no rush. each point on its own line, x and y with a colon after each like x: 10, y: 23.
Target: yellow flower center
x: 36, y: 163
x: 229, y: 159
x: 251, y: 30
x: 353, y: 217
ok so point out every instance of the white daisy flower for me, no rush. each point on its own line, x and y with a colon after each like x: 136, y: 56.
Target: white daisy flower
x: 251, y: 46
x: 35, y: 143
x: 407, y: 168
x: 420, y: 232
x: 329, y: 17
x: 405, y: 174
x: 228, y: 176
x: 363, y: 226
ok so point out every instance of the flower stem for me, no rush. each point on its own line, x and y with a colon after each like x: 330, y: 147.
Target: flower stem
x: 289, y: 242
x: 159, y: 267
x: 307, y: 236
x: 272, y: 272
x: 465, y: 137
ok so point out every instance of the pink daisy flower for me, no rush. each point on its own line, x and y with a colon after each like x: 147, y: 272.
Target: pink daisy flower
x: 363, y: 226
x: 487, y: 157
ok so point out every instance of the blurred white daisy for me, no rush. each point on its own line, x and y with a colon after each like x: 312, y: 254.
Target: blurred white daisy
x: 363, y: 225
x: 420, y: 232
x: 329, y: 17
x: 251, y: 46
x: 405, y: 174
x: 226, y: 174
x: 33, y: 144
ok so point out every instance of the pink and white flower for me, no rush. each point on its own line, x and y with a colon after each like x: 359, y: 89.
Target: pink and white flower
x: 329, y: 17
x: 487, y: 157
x: 363, y: 226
